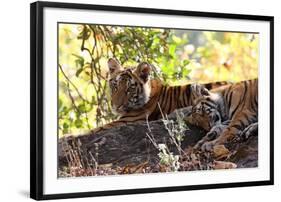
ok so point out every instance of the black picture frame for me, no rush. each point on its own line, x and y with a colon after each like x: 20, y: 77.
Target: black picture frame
x: 36, y: 99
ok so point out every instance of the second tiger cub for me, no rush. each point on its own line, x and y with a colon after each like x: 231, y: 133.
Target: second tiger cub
x: 232, y: 109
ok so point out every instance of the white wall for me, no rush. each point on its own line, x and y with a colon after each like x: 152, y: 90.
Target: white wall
x: 14, y: 100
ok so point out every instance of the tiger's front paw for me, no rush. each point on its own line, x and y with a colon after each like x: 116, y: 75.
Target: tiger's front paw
x: 208, y: 146
x: 251, y: 130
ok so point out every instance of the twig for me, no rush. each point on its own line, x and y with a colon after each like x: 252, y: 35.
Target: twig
x: 72, y: 84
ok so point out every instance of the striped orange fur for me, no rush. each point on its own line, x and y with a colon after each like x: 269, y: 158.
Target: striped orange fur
x: 236, y: 104
x: 136, y: 97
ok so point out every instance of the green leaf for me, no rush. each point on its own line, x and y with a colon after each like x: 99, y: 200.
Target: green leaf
x: 78, y: 123
x: 185, y: 62
x: 79, y: 61
x: 172, y: 50
x: 82, y: 107
x: 78, y: 72
x: 65, y: 125
x: 186, y: 72
x: 176, y: 39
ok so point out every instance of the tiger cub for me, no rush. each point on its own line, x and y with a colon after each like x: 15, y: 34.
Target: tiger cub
x: 136, y: 97
x: 226, y: 112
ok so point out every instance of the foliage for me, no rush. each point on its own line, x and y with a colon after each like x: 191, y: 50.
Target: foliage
x: 176, y: 130
x: 178, y: 56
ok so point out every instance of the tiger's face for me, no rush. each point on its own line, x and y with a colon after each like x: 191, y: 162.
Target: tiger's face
x: 129, y: 88
x: 205, y: 113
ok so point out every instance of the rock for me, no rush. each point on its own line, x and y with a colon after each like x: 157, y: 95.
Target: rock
x: 128, y: 149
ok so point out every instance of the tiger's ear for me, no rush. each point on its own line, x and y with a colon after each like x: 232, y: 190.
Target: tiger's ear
x: 143, y: 71
x: 113, y: 65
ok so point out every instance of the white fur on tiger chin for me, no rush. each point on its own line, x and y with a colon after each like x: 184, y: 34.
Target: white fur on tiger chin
x: 146, y: 92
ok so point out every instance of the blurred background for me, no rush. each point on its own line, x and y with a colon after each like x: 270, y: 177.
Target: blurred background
x: 179, y: 57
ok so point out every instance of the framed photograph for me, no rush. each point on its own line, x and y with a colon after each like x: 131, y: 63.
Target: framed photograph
x: 136, y: 100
